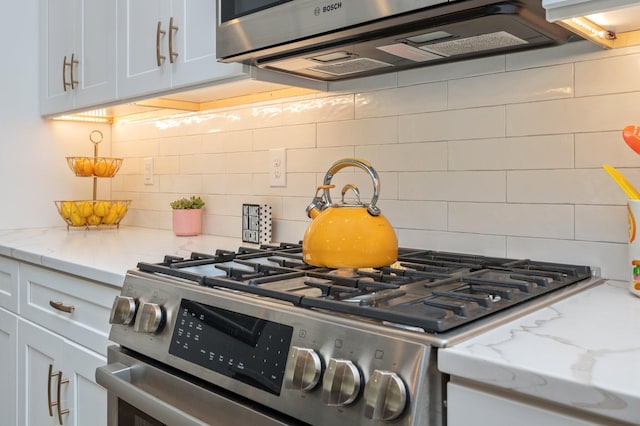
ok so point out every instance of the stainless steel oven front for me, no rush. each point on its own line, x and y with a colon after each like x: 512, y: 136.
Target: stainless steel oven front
x: 143, y: 394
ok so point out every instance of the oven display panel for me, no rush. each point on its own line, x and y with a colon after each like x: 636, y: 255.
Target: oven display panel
x: 248, y: 349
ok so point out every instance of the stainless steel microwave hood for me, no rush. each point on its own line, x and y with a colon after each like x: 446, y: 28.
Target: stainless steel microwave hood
x: 336, y: 40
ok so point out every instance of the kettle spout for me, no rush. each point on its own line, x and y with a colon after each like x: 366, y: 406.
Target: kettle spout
x: 313, y: 211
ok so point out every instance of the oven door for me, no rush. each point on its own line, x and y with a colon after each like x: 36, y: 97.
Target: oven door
x: 147, y: 395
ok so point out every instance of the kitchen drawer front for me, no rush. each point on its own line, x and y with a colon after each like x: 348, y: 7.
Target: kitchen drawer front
x: 83, y: 308
x: 9, y: 284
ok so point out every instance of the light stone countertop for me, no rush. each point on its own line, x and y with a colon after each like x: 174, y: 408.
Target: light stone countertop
x: 582, y: 352
x: 106, y: 254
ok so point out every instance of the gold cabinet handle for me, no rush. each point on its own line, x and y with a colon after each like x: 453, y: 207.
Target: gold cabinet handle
x: 56, y: 404
x: 159, y: 31
x: 172, y: 28
x: 74, y: 62
x: 71, y: 64
x: 62, y: 307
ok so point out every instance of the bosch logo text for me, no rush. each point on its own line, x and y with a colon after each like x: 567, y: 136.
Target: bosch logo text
x: 331, y: 7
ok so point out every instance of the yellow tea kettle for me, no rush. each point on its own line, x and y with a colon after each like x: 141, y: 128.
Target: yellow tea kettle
x: 348, y: 235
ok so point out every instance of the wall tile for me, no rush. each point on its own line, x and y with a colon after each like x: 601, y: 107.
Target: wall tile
x: 602, y: 223
x: 452, y: 70
x: 405, y: 157
x: 483, y: 186
x: 238, y: 141
x: 545, y: 221
x: 586, y: 186
x: 487, y: 245
x: 180, y: 145
x: 595, y: 149
x: 423, y: 215
x: 330, y: 108
x: 358, y: 132
x: 589, y: 114
x: 511, y: 87
x: 538, y: 152
x: 402, y: 100
x: 626, y: 68
x: 472, y: 123
x: 302, y: 136
x: 180, y: 184
x: 315, y: 160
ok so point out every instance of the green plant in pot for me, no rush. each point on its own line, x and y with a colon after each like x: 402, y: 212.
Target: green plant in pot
x: 187, y: 216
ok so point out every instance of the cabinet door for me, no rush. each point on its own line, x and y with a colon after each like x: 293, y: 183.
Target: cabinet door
x: 8, y: 367
x: 139, y: 46
x: 81, y: 401
x: 38, y: 349
x: 95, y: 48
x: 78, y: 52
x: 195, y: 43
x: 57, y: 40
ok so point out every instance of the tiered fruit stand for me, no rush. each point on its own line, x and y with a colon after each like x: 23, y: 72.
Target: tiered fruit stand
x: 93, y: 213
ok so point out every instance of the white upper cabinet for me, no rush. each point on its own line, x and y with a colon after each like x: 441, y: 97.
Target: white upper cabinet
x: 166, y: 44
x: 78, y: 52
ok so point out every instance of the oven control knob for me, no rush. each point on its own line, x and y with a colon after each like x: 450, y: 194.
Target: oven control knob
x: 149, y: 318
x: 303, y: 369
x: 340, y: 383
x: 385, y: 396
x: 123, y: 310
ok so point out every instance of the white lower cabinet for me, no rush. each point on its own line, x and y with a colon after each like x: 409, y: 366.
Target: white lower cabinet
x: 8, y: 370
x: 57, y: 384
x: 470, y: 406
x: 53, y: 335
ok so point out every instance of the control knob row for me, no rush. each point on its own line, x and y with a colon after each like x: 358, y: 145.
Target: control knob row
x: 385, y: 394
x: 148, y: 316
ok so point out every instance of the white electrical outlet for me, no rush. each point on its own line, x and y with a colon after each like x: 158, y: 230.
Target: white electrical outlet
x: 148, y: 171
x: 277, y: 167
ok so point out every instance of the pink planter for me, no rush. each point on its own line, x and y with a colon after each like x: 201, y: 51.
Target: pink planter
x: 187, y: 223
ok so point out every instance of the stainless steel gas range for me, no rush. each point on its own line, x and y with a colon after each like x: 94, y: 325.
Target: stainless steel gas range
x: 256, y: 336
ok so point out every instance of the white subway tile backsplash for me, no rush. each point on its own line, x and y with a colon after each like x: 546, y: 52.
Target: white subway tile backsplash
x: 401, y: 100
x: 374, y: 131
x: 238, y: 141
x: 626, y: 68
x: 587, y: 114
x: 595, y: 149
x: 544, y: 221
x: 487, y: 245
x: 405, y: 157
x: 585, y: 186
x: 554, y: 82
x: 481, y: 186
x: 471, y: 123
x: 320, y: 109
x: 498, y: 156
x: 602, y: 223
x: 537, y: 152
x: 302, y: 136
x: 422, y: 215
x: 452, y: 70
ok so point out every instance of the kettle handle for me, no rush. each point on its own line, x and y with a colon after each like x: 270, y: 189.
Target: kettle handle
x: 361, y: 164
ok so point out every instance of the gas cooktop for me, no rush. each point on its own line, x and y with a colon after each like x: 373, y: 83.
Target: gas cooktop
x: 425, y: 290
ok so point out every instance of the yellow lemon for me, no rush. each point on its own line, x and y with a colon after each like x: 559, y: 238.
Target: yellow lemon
x: 83, y: 166
x: 85, y: 208
x: 77, y: 220
x: 94, y: 220
x: 111, y: 217
x: 121, y: 209
x: 104, y: 167
x: 66, y: 208
x: 101, y: 208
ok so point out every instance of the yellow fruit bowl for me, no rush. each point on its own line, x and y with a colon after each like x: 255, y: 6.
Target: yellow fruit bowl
x: 86, y: 213
x: 94, y: 166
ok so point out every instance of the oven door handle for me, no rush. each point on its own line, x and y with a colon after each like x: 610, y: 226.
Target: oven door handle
x: 116, y: 378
